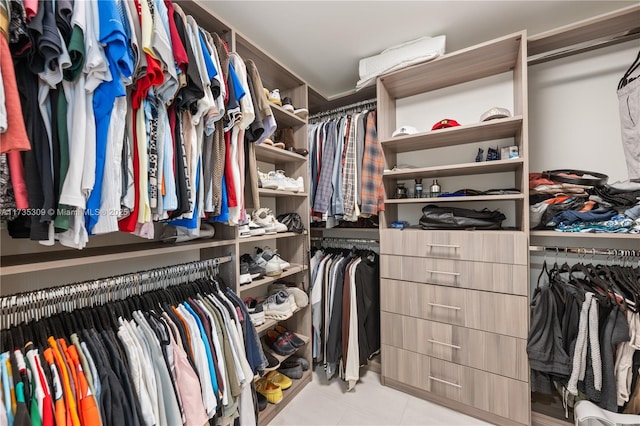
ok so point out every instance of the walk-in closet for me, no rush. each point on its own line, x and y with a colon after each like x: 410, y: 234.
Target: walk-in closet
x: 319, y: 213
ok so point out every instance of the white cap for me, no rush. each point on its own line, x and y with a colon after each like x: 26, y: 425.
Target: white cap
x: 494, y: 113
x: 404, y: 130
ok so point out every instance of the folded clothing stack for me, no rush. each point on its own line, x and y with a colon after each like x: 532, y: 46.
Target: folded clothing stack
x: 572, y: 207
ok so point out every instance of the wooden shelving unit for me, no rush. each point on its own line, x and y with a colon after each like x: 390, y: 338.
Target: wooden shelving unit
x: 268, y: 237
x: 270, y: 154
x: 277, y: 193
x: 292, y: 270
x: 470, y: 133
x: 484, y: 167
x: 507, y: 197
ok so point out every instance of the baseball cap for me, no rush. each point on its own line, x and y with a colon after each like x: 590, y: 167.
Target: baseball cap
x: 444, y: 123
x: 494, y: 113
x: 404, y: 130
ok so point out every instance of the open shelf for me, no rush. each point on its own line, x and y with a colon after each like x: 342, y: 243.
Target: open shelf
x: 277, y: 193
x: 282, y: 358
x: 270, y: 237
x: 285, y: 118
x: 266, y: 415
x: 601, y: 235
x: 471, y: 133
x: 486, y: 59
x: 292, y: 270
x: 270, y: 323
x: 270, y: 154
x: 506, y: 197
x: 484, y: 167
x: 20, y: 263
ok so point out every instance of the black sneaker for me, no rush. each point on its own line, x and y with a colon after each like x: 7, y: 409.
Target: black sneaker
x: 272, y: 361
x: 255, y: 270
x: 304, y: 364
x: 262, y: 401
x: 291, y: 369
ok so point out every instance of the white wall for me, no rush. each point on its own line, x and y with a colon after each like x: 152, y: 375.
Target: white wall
x: 573, y: 112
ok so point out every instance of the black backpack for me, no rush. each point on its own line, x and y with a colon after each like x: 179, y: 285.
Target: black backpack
x: 292, y: 221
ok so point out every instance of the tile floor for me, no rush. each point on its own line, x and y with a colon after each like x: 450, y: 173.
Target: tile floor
x: 326, y: 403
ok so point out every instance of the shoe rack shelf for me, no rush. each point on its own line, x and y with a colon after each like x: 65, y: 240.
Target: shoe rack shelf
x: 283, y: 358
x: 270, y: 154
x: 266, y: 415
x: 277, y: 193
x: 270, y: 323
x: 292, y: 270
x: 268, y: 237
x: 286, y: 118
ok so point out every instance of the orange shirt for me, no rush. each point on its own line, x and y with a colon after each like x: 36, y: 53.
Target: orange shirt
x: 86, y: 401
x: 72, y: 411
x: 59, y: 408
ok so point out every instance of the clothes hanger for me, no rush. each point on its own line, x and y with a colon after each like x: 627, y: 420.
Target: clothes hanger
x: 625, y: 78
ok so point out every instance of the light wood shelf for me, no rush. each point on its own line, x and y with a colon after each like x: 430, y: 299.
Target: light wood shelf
x: 268, y: 237
x: 282, y: 358
x: 19, y: 264
x: 270, y: 323
x: 266, y: 415
x: 483, y: 60
x: 506, y: 197
x: 292, y: 270
x: 484, y: 167
x: 626, y: 20
x: 599, y: 235
x: 277, y: 193
x: 471, y: 133
x: 286, y: 119
x: 268, y: 153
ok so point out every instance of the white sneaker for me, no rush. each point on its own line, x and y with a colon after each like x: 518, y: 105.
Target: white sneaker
x: 274, y: 97
x: 268, y: 253
x: 273, y: 268
x: 286, y: 183
x: 244, y: 230
x: 255, y: 229
x: 267, y: 181
x: 264, y: 218
x: 278, y: 306
x: 301, y: 298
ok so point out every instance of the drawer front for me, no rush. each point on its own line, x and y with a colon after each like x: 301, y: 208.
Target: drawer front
x: 497, y: 313
x: 495, y: 277
x: 481, y: 246
x: 494, y: 353
x: 496, y: 394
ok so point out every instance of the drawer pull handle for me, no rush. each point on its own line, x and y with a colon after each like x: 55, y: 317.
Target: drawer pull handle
x: 444, y: 344
x: 455, y: 385
x: 444, y: 245
x: 455, y: 274
x: 437, y: 305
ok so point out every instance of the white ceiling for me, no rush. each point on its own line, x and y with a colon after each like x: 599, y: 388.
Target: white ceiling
x: 323, y: 41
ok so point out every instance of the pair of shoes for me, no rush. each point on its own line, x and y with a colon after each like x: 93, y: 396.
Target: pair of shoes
x: 246, y: 275
x: 279, y: 181
x: 299, y: 151
x: 264, y: 219
x: 271, y: 391
x: 293, y: 367
x: 252, y: 229
x: 279, y: 306
x: 282, y: 341
x: 179, y: 234
x: 271, y: 261
x: 274, y: 97
x: 255, y: 270
x: 256, y: 313
x: 302, y: 299
x: 300, y: 112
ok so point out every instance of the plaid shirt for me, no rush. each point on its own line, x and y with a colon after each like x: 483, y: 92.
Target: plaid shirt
x: 372, y: 189
x: 349, y: 171
x: 325, y: 188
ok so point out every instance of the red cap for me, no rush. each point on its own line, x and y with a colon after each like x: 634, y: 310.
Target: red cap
x: 447, y: 122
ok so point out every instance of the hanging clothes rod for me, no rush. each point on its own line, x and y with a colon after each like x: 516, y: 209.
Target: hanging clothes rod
x: 369, y: 103
x: 96, y: 292
x: 586, y: 251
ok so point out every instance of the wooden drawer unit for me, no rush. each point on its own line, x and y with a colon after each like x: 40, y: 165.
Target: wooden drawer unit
x: 495, y: 277
x: 493, y: 393
x: 481, y: 246
x: 493, y: 312
x: 494, y: 353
